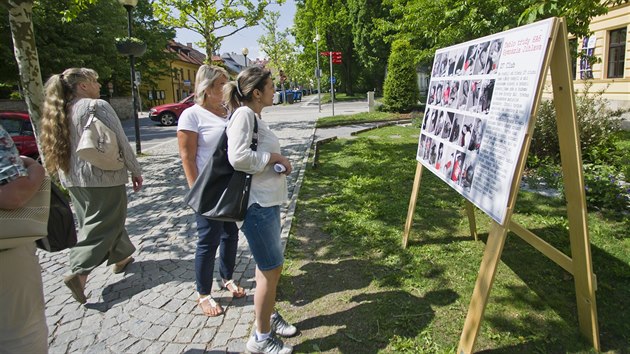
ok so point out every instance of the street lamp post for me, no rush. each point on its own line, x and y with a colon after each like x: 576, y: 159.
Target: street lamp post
x: 317, y: 73
x: 129, y: 5
x: 245, y: 51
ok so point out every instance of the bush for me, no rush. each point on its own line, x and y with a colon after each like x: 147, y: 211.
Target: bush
x: 400, y: 91
x: 605, y: 187
x: 598, y: 126
x: 604, y: 162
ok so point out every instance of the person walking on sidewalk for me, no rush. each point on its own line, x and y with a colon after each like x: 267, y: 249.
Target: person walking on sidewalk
x: 247, y: 96
x: 198, y: 132
x: 98, y: 196
x: 23, y: 326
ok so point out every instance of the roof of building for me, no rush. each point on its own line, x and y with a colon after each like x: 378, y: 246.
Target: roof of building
x: 186, y: 53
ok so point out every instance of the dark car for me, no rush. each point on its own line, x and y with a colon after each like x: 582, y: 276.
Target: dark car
x: 168, y: 114
x: 19, y: 126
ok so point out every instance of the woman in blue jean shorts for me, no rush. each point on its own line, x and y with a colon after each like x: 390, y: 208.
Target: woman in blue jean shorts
x: 247, y: 96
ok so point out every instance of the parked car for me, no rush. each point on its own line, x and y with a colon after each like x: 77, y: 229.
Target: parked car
x: 19, y: 126
x: 168, y: 114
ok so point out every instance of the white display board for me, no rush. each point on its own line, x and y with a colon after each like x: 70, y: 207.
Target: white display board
x: 479, y: 103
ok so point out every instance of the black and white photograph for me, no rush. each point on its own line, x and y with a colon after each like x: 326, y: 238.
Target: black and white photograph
x: 495, y: 55
x: 476, y: 135
x: 481, y: 64
x: 468, y: 173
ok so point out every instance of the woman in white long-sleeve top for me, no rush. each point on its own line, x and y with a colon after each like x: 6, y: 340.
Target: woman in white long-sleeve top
x: 246, y: 97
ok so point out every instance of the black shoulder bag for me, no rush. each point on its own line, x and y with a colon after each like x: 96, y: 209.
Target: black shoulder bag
x: 220, y: 192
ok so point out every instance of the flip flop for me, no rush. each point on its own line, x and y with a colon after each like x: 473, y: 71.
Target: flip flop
x: 231, y: 286
x: 120, y: 267
x: 73, y: 282
x: 206, y: 301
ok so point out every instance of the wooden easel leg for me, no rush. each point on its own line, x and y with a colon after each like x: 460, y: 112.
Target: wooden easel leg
x: 470, y: 211
x: 487, y: 272
x: 568, y: 136
x: 412, y: 205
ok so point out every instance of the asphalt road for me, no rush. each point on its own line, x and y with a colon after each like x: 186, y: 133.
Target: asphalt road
x: 153, y: 135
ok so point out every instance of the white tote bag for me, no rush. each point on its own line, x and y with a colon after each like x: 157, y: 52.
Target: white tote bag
x: 98, y: 144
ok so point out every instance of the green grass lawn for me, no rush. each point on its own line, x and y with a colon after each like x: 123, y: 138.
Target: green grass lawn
x: 350, y: 287
x: 343, y: 97
x: 364, y: 117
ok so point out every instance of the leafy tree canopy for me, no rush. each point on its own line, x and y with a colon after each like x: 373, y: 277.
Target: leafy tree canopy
x: 214, y: 20
x: 87, y: 40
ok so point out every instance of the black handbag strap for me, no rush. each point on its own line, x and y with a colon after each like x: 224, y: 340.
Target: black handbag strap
x: 254, y: 144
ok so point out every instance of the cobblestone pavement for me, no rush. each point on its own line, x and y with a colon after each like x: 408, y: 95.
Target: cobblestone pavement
x: 151, y: 307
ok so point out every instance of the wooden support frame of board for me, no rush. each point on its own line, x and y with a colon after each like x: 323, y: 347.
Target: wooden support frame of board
x: 557, y: 58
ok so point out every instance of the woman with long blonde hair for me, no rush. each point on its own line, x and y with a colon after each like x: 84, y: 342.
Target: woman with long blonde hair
x: 98, y: 196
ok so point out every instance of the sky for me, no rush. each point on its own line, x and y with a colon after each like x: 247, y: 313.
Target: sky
x: 247, y: 37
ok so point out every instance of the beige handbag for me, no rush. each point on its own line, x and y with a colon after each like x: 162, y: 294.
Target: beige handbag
x: 98, y: 144
x: 28, y: 223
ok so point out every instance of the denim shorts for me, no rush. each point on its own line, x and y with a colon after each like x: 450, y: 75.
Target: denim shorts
x: 262, y: 230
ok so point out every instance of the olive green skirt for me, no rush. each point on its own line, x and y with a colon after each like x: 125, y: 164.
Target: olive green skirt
x: 101, y: 213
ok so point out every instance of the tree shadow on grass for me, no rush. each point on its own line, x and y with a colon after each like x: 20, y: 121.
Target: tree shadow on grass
x: 555, y: 288
x: 372, y: 321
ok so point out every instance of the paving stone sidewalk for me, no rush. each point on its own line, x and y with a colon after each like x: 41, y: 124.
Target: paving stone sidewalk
x: 151, y: 307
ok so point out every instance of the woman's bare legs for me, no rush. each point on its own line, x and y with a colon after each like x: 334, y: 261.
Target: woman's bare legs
x: 265, y: 297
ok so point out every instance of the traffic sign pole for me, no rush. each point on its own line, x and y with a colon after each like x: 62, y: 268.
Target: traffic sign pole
x: 332, y: 88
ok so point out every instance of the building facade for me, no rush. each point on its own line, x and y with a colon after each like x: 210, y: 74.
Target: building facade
x: 181, y: 82
x: 610, y: 45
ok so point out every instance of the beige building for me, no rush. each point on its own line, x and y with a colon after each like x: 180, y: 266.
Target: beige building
x: 181, y: 82
x: 610, y: 44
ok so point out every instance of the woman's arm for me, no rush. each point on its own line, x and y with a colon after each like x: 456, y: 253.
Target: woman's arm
x: 18, y: 192
x: 187, y: 141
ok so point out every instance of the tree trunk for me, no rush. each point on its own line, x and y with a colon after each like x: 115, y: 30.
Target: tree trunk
x: 20, y: 19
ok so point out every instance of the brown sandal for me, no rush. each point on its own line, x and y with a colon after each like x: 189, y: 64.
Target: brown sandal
x: 73, y: 282
x: 237, y: 291
x: 209, y: 307
x: 120, y: 266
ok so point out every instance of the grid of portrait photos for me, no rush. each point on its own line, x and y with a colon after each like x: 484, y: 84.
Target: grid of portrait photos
x: 458, y: 101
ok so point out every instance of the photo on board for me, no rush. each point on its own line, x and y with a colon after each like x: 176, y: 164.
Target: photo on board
x: 465, y: 135
x: 457, y: 126
x: 462, y: 98
x: 440, y: 156
x: 481, y: 64
x: 487, y: 89
x: 469, y: 62
x: 473, y: 97
x: 425, y: 121
x: 476, y: 135
x: 458, y: 164
x: 448, y: 125
x: 440, y: 123
x: 453, y: 94
x: 448, y: 158
x: 495, y: 55
x: 468, y: 172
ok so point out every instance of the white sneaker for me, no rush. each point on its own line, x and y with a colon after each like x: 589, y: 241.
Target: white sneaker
x: 271, y: 345
x: 281, y: 327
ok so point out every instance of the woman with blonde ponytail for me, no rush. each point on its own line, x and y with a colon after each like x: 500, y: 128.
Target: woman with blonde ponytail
x: 246, y: 97
x: 98, y: 196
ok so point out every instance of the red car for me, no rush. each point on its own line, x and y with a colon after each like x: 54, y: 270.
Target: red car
x: 168, y: 114
x: 19, y: 126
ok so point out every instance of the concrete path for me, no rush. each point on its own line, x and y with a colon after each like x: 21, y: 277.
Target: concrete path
x: 151, y: 308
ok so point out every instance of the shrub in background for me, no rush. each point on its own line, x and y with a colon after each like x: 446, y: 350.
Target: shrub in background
x: 603, y: 160
x: 400, y: 91
x: 598, y: 127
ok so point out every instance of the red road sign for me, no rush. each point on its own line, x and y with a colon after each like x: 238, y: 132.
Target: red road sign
x: 325, y: 53
x: 336, y: 57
